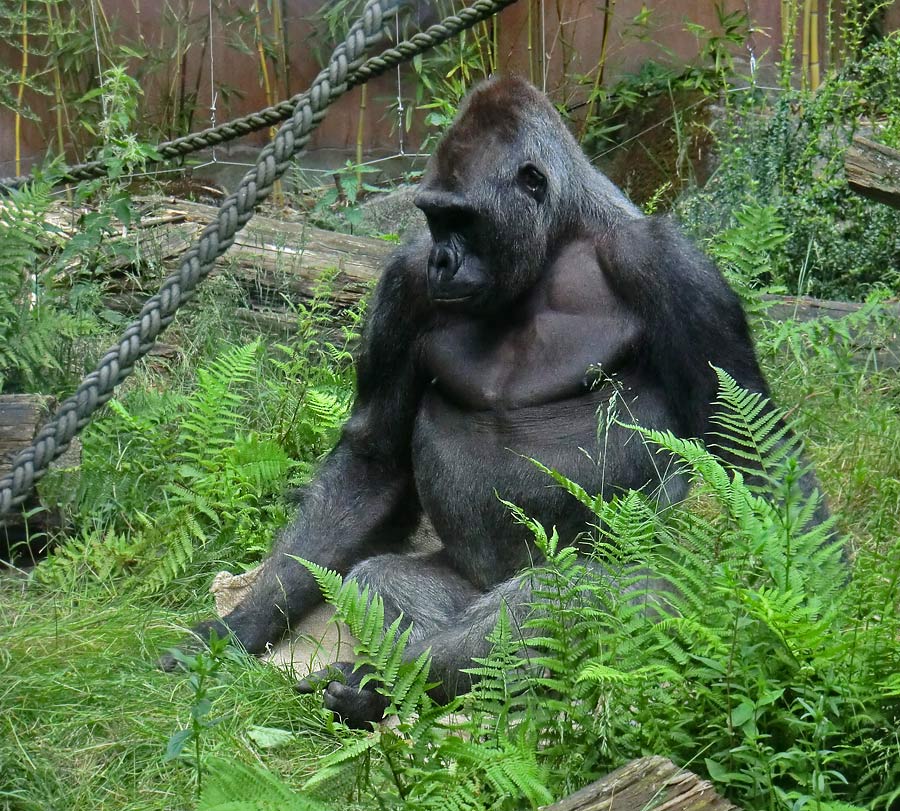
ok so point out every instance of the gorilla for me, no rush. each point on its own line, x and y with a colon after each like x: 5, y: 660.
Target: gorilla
x: 537, y: 294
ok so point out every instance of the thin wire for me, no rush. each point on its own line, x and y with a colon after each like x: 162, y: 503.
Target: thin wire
x: 399, y: 92
x: 213, y: 95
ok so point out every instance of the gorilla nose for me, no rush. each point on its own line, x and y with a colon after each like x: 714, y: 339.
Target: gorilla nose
x: 444, y: 263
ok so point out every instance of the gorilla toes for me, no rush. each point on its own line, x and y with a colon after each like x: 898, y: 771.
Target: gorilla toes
x: 355, y: 706
x: 317, y: 681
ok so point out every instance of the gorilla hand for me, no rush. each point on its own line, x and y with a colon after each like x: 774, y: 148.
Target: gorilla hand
x: 356, y: 706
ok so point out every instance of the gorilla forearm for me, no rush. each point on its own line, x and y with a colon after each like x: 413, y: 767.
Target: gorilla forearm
x: 354, y: 508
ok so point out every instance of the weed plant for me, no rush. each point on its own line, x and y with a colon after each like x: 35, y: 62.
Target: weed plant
x: 787, y: 152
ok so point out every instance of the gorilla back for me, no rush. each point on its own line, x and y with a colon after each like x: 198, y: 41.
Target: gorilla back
x: 536, y: 296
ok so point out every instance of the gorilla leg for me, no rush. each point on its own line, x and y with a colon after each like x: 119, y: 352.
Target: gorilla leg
x: 426, y: 589
x: 453, y: 619
x: 449, y: 615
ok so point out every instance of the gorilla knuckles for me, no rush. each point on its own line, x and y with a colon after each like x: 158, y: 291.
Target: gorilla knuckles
x: 475, y: 356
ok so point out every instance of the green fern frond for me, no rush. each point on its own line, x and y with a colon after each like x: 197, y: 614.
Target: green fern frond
x: 405, y: 683
x: 752, y: 429
x: 235, y: 786
x: 332, y: 766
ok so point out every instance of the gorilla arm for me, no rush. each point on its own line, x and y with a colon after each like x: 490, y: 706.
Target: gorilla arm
x: 691, y: 316
x: 694, y: 320
x: 362, y: 501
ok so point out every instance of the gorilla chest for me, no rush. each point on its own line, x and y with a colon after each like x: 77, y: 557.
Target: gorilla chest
x: 545, y: 359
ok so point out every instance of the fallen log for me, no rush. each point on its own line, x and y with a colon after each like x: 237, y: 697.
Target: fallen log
x: 23, y: 531
x: 648, y: 783
x: 873, y: 170
x: 277, y: 265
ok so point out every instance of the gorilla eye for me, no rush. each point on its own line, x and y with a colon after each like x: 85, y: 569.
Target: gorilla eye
x: 533, y: 181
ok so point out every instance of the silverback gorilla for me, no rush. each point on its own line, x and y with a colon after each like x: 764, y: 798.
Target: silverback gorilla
x: 477, y: 354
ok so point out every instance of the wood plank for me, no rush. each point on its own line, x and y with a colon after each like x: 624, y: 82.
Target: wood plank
x: 873, y: 170
x: 20, y: 418
x: 648, y: 784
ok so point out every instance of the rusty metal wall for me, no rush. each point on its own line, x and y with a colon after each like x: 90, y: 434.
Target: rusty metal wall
x: 566, y: 45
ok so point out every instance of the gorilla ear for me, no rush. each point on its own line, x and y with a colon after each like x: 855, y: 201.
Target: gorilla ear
x: 533, y: 181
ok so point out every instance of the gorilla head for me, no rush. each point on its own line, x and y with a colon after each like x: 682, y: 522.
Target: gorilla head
x: 505, y: 187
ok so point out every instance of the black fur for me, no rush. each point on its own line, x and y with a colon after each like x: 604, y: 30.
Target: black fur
x: 475, y: 356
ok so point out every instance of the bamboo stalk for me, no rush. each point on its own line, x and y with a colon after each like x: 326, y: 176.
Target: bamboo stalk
x: 805, y: 39
x: 277, y: 195
x: 23, y: 76
x: 495, y: 42
x: 261, y: 53
x: 360, y: 131
x: 609, y: 10
x: 281, y: 41
x: 530, y: 46
x: 814, y: 77
x: 57, y: 81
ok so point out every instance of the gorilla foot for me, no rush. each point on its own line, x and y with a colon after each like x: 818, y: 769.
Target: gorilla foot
x: 355, y: 706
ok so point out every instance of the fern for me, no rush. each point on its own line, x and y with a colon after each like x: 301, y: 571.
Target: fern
x: 29, y: 321
x: 753, y: 431
x: 235, y: 786
x: 747, y: 253
x: 404, y: 683
x: 182, y: 474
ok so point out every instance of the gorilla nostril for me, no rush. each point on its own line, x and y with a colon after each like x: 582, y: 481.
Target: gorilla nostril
x: 444, y: 262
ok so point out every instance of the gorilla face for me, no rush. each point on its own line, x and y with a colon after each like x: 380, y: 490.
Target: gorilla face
x: 457, y: 273
x: 489, y: 202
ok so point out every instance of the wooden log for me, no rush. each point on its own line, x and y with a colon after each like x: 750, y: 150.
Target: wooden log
x: 278, y: 265
x: 880, y: 346
x: 20, y: 417
x: 873, y: 170
x: 648, y: 783
x: 22, y: 531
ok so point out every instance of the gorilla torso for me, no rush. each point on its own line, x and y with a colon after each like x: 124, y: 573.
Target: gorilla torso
x: 503, y: 391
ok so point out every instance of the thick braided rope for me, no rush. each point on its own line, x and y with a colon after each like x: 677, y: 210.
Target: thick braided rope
x: 197, y: 262
x: 214, y: 136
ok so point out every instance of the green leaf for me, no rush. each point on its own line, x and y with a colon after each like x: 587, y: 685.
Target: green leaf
x: 742, y: 713
x: 176, y: 744
x: 270, y: 737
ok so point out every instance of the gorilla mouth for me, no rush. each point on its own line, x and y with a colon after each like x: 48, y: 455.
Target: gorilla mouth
x: 445, y: 299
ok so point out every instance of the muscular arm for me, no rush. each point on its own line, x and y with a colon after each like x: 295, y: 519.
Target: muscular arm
x: 362, y: 501
x: 691, y: 316
x: 693, y: 320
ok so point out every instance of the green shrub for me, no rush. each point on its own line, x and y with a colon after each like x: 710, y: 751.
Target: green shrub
x: 787, y: 153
